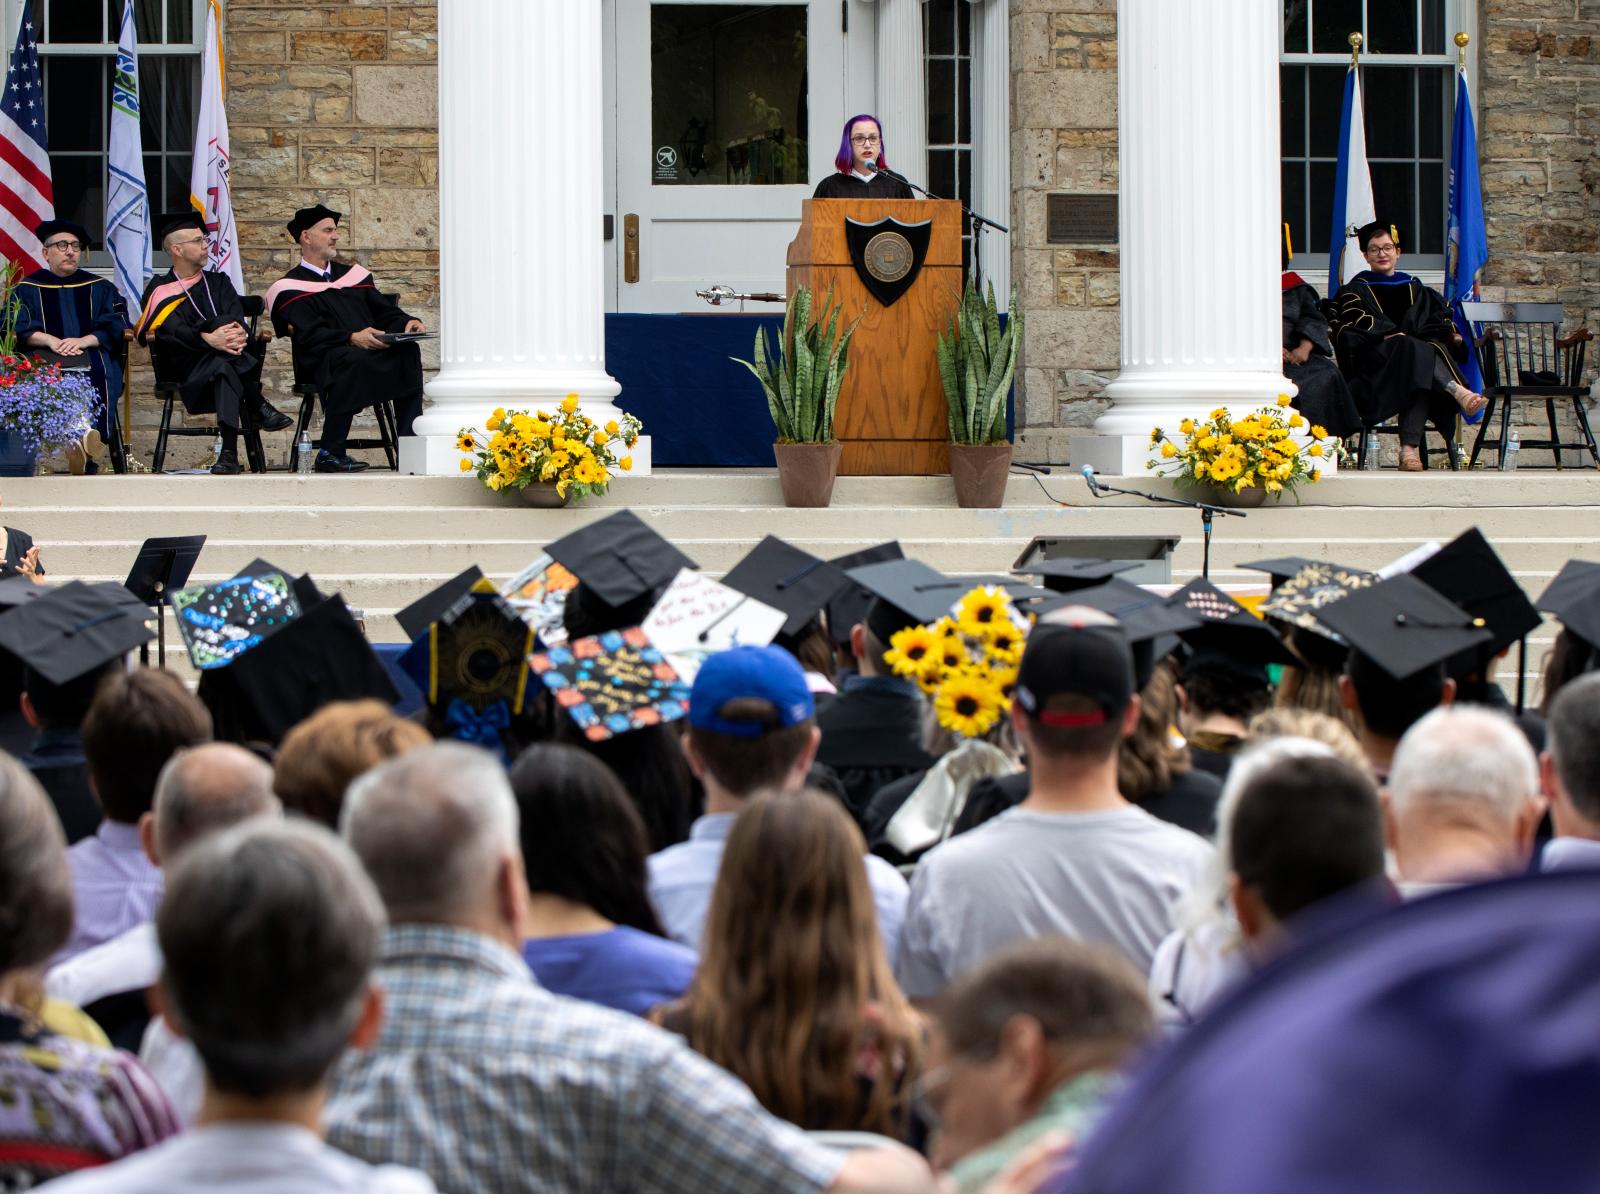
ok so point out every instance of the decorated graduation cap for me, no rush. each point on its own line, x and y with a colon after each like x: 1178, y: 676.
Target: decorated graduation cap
x: 53, y: 227
x: 415, y: 618
x: 612, y: 683
x: 76, y: 628
x: 848, y: 605
x: 619, y: 559
x: 905, y: 593
x: 1469, y: 572
x: 1282, y: 568
x: 1574, y: 597
x: 697, y: 617
x: 1366, y: 232
x: 780, y: 575
x: 169, y: 222
x: 319, y: 657
x: 1228, y: 632
x: 1149, y: 622
x: 1068, y: 575
x: 1312, y: 588
x: 310, y: 217
x: 219, y: 622
x: 1403, y: 626
x: 476, y: 658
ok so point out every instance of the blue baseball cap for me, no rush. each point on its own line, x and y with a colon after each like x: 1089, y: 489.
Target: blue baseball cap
x: 749, y: 673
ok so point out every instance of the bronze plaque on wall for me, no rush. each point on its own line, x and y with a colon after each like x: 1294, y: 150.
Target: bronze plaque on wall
x: 1081, y: 219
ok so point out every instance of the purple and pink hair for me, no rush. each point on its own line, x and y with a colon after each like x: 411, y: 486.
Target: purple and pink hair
x: 845, y: 162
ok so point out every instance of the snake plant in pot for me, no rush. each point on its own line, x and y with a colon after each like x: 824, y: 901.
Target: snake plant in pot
x: 801, y: 378
x: 977, y: 360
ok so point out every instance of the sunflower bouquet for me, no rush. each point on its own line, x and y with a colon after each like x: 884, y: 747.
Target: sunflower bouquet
x: 566, y: 449
x: 1237, y: 454
x: 966, y: 662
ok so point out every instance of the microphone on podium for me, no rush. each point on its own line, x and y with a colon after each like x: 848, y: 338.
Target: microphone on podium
x: 1088, y: 478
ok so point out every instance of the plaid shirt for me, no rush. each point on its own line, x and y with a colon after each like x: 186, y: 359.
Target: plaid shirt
x: 487, y: 1082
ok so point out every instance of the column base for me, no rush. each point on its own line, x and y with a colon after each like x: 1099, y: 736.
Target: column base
x: 438, y: 456
x: 1130, y: 455
x: 1144, y: 399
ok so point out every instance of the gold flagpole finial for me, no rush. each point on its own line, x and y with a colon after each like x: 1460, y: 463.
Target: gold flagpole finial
x: 1461, y: 49
x: 1355, y: 40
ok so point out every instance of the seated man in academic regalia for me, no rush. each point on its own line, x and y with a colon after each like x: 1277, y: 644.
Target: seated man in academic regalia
x: 861, y: 172
x: 193, y: 322
x: 1323, y: 397
x: 75, y: 315
x: 338, y: 322
x: 1400, y: 348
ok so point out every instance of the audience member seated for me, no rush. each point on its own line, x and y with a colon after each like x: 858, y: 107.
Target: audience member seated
x: 1570, y: 771
x: 751, y: 728
x: 794, y: 994
x: 66, y: 1104
x: 1464, y: 800
x: 1155, y: 772
x: 1322, y: 396
x: 269, y: 937
x: 591, y: 931
x: 138, y: 721
x: 1030, y: 1043
x: 321, y: 755
x: 200, y: 790
x: 55, y: 712
x: 487, y: 1082
x: 1218, y: 694
x: 1385, y: 708
x: 1277, y: 855
x: 1075, y: 857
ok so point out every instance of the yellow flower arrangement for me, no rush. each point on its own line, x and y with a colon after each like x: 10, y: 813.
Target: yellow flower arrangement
x: 1238, y: 454
x: 565, y: 448
x: 967, y: 661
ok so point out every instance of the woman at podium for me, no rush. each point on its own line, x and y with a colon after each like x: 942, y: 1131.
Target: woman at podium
x: 862, y: 172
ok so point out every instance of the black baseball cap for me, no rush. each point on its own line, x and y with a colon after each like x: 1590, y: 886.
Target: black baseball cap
x: 1150, y: 624
x: 415, y: 618
x: 1069, y: 659
x: 779, y: 574
x: 1403, y: 626
x: 75, y: 628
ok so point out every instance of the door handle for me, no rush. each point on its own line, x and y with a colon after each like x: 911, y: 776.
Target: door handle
x: 630, y: 248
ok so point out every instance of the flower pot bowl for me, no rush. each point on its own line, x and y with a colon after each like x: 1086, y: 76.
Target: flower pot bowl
x: 1245, y: 499
x: 807, y: 471
x: 17, y: 459
x: 543, y: 495
x: 980, y: 472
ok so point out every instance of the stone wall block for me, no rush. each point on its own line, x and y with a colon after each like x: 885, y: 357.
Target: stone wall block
x: 399, y: 167
x: 328, y: 45
x: 1105, y: 289
x: 1081, y: 99
x: 264, y: 165
x: 393, y: 96
x: 1069, y: 290
x: 1030, y: 42
x: 1033, y: 157
x: 414, y: 19
x: 334, y: 109
x: 330, y: 166
x: 398, y: 217
x: 269, y: 46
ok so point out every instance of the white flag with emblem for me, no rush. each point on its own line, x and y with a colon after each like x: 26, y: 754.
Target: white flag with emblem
x: 208, y: 176
x: 127, y: 202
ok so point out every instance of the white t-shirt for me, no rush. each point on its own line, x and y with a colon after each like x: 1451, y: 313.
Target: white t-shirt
x: 128, y: 962
x: 1110, y: 877
x: 244, y: 1158
x: 1192, y: 967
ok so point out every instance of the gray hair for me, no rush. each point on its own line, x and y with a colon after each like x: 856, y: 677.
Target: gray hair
x: 35, y: 884
x: 1464, y: 756
x: 430, y: 827
x: 269, y: 932
x: 208, y: 788
x: 1574, y: 743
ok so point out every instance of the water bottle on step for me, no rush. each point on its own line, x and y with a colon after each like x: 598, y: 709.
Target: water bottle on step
x: 305, y: 453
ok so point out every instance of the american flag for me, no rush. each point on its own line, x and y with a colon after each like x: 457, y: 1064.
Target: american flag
x: 26, y: 196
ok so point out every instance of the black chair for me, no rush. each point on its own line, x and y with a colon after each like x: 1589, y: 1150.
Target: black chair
x: 383, y: 412
x: 118, y: 445
x: 1525, y: 358
x: 167, y: 388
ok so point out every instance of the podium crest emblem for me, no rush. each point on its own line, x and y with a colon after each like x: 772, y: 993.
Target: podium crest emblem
x: 887, y: 255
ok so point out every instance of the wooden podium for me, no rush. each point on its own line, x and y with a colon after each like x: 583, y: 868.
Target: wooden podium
x: 891, y: 417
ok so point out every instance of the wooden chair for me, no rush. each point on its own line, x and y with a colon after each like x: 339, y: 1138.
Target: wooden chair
x: 1525, y: 358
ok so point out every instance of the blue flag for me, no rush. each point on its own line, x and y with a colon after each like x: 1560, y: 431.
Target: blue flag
x: 1352, y: 189
x: 1467, y: 240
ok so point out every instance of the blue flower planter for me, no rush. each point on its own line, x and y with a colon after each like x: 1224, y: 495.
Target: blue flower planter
x: 17, y: 459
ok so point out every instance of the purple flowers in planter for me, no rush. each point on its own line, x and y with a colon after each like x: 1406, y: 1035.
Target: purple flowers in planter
x: 43, y: 406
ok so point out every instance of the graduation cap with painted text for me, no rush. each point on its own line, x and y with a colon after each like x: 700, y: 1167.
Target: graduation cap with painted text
x: 415, y: 618
x: 779, y: 574
x: 76, y: 628
x: 848, y: 605
x: 1404, y: 626
x: 1228, y: 631
x: 1282, y: 568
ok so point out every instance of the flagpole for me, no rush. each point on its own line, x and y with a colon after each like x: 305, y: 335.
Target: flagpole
x: 1461, y: 51
x: 1355, y: 40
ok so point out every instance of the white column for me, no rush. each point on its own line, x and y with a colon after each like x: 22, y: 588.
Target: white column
x: 903, y: 89
x: 1197, y: 95
x: 521, y: 260
x: 991, y: 166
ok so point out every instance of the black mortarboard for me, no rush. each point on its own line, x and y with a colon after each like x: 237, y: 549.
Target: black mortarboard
x: 1574, y: 597
x: 415, y: 618
x: 169, y: 222
x: 1470, y: 573
x: 905, y: 593
x: 1151, y: 625
x: 1315, y: 586
x: 1404, y: 626
x: 1227, y: 630
x: 310, y: 217
x: 321, y: 656
x: 19, y: 590
x: 75, y: 629
x: 619, y: 558
x: 848, y: 605
x: 782, y: 576
x: 1066, y: 576
x: 50, y: 227
x: 1367, y: 231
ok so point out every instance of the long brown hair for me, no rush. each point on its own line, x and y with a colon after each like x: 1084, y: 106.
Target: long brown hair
x: 1147, y: 760
x: 794, y: 993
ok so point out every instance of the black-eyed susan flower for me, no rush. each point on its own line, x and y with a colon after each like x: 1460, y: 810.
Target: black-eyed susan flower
x: 910, y: 650
x: 1005, y: 644
x: 967, y: 704
x: 982, y: 610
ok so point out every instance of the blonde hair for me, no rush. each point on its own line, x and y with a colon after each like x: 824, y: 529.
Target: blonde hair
x: 1307, y: 723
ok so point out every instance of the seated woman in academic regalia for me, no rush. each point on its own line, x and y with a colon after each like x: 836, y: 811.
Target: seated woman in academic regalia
x: 69, y: 312
x: 861, y: 165
x: 1400, y: 347
x: 1324, y: 397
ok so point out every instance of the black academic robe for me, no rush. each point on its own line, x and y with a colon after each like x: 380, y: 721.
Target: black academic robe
x: 1324, y: 397
x: 847, y: 186
x: 79, y: 304
x: 871, y: 737
x: 321, y: 317
x: 1386, y: 372
x: 172, y: 320
x: 18, y: 544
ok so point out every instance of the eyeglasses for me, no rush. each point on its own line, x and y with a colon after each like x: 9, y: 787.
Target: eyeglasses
x: 864, y: 139
x: 193, y: 240
x: 66, y: 246
x: 1376, y: 250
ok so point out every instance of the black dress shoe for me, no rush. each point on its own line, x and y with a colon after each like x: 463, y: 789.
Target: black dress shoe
x: 227, y: 464
x: 270, y: 418
x: 328, y: 463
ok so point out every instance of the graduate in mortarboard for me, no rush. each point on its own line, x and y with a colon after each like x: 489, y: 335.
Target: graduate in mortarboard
x: 73, y: 314
x: 1323, y: 397
x: 193, y: 322
x: 337, y: 319
x: 1399, y: 347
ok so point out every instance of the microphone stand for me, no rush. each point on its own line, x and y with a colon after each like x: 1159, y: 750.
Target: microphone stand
x: 1207, y: 510
x: 978, y: 223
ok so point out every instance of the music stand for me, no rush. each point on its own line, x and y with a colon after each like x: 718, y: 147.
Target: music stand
x: 163, y: 564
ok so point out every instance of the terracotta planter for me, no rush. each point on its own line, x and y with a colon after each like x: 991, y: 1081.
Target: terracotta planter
x: 807, y: 471
x: 1245, y: 499
x: 543, y: 495
x: 980, y: 472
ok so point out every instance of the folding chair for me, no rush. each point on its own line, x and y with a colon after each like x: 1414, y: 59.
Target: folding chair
x: 1525, y: 358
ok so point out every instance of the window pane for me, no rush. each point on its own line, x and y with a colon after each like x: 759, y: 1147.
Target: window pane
x: 1326, y: 96
x: 70, y: 22
x: 1394, y: 191
x: 942, y: 171
x: 964, y: 179
x: 79, y: 181
x: 1432, y: 217
x: 1433, y: 39
x: 964, y: 102
x: 1294, y: 26
x: 180, y: 89
x: 1294, y: 205
x: 76, y: 109
x: 941, y: 101
x: 1391, y: 27
x: 1390, y: 100
x: 940, y: 26
x: 1292, y: 109
x: 728, y: 94
x: 1332, y: 23
x: 1434, y: 100
x: 1322, y: 178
